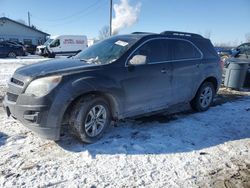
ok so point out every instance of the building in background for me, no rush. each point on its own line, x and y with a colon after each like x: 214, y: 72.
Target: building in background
x: 14, y: 31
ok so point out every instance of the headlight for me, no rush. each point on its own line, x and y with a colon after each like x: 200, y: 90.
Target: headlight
x: 43, y: 86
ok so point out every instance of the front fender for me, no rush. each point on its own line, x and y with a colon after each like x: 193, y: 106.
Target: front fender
x: 65, y: 95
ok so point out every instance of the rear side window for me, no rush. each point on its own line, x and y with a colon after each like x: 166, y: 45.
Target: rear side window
x: 207, y: 49
x: 155, y: 50
x: 183, y: 50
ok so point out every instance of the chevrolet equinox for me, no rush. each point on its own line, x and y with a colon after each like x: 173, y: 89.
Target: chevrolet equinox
x: 122, y: 76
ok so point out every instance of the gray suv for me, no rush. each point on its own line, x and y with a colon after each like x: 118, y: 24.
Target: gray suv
x: 122, y: 76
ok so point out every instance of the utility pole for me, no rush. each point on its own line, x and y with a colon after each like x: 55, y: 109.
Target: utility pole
x: 29, y: 18
x: 110, y: 18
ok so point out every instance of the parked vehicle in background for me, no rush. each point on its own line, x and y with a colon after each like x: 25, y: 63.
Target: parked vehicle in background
x: 11, y: 50
x: 30, y: 48
x: 66, y: 45
x: 122, y: 76
x: 40, y: 49
x: 17, y: 44
x: 224, y: 52
x: 242, y: 50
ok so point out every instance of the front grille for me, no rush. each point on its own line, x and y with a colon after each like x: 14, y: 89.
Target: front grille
x: 12, y: 97
x: 16, y: 81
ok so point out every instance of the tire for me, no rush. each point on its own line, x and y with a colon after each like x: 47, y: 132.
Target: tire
x: 51, y: 55
x: 85, y: 122
x: 12, y: 54
x: 204, y: 97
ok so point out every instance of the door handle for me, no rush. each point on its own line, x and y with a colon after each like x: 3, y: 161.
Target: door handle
x: 164, y: 71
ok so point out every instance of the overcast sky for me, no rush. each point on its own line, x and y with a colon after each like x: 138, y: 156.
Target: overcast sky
x: 224, y: 20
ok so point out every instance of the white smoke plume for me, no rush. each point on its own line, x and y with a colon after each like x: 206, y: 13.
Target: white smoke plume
x: 125, y: 15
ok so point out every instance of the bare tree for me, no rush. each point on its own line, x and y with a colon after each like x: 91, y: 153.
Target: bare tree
x: 207, y: 34
x: 247, y: 37
x: 104, y: 33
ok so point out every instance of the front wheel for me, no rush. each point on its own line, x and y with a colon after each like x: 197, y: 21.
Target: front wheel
x: 90, y: 118
x: 204, y: 97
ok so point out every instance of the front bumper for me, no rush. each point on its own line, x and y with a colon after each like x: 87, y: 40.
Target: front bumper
x: 34, y: 116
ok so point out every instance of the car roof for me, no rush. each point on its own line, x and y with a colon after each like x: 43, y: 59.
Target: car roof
x: 168, y: 34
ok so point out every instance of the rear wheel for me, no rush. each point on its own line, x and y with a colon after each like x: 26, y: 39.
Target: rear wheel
x: 204, y: 97
x: 90, y: 118
x: 12, y: 55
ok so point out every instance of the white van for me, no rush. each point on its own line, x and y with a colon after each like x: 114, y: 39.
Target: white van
x: 66, y: 45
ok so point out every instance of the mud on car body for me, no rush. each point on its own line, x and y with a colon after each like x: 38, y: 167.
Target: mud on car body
x: 122, y: 76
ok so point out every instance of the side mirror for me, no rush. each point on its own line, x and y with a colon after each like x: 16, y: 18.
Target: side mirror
x: 138, y: 60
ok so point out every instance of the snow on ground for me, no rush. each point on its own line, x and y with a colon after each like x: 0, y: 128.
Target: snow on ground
x: 209, y: 149
x: 202, y: 149
x: 9, y: 65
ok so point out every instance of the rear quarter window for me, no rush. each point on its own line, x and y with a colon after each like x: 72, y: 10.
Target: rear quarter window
x: 207, y: 49
x: 183, y: 50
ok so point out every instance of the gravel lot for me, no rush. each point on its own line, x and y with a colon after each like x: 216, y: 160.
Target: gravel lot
x: 181, y: 149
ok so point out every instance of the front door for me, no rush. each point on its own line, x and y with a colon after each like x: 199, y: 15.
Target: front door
x: 147, y: 83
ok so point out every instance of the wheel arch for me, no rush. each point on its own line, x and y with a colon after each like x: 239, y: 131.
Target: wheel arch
x: 212, y: 80
x: 112, y: 101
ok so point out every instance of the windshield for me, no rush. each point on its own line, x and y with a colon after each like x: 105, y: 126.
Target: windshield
x: 47, y: 42
x: 106, y: 51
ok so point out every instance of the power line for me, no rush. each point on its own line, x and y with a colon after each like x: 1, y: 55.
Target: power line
x: 78, y: 16
x: 69, y: 16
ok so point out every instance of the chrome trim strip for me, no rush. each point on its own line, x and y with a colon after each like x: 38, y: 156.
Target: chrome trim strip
x: 165, y: 38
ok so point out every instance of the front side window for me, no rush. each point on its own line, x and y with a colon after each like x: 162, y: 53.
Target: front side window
x: 55, y: 43
x: 248, y: 49
x: 153, y: 51
x: 183, y: 50
x: 241, y: 49
x: 244, y: 49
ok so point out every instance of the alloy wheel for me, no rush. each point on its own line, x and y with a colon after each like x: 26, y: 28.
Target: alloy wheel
x: 95, y: 120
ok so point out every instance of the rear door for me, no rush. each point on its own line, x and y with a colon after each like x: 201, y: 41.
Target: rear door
x: 186, y: 59
x: 148, y: 86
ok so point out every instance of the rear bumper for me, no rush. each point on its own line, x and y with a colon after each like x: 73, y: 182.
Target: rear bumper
x: 34, y: 117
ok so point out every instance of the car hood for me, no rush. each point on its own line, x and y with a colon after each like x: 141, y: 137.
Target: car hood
x: 56, y: 66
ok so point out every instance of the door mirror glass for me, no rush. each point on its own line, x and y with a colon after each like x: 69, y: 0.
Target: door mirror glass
x: 138, y: 60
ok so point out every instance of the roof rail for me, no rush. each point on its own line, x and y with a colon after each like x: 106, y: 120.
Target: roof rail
x: 142, y: 33
x: 183, y: 34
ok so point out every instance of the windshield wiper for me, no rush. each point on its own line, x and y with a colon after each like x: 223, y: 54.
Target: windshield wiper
x: 86, y: 60
x: 91, y: 60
